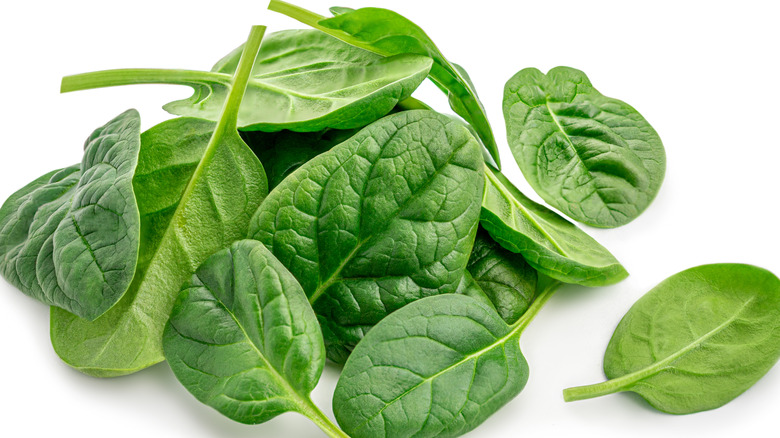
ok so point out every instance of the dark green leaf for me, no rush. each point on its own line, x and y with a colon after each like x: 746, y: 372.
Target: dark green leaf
x: 550, y: 243
x: 70, y: 238
x: 377, y: 222
x: 696, y: 341
x: 593, y: 157
x: 505, y: 277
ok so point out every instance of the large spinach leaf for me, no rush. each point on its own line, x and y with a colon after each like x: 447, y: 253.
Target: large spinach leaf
x: 435, y: 368
x: 243, y: 339
x: 70, y: 238
x: 593, y: 157
x: 377, y: 222
x: 302, y: 80
x: 198, y: 185
x: 505, y: 277
x: 387, y: 33
x: 550, y: 243
x: 696, y: 341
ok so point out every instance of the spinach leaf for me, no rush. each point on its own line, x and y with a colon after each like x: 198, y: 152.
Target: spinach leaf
x: 70, y: 238
x: 593, y: 157
x: 284, y: 151
x: 377, y: 222
x: 387, y: 33
x: 696, y: 341
x: 505, y: 277
x: 198, y: 185
x: 302, y: 80
x: 436, y: 368
x: 550, y: 243
x: 243, y: 339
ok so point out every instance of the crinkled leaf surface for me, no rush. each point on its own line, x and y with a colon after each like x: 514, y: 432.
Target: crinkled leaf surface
x: 284, y: 151
x: 70, y: 238
x: 550, y: 243
x: 388, y: 33
x: 377, y: 222
x: 192, y: 202
x: 592, y: 157
x: 696, y: 341
x: 506, y: 278
x: 242, y: 337
x: 435, y: 368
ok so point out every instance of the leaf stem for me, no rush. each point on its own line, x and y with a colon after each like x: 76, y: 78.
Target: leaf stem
x: 240, y: 79
x: 132, y: 76
x: 549, y: 286
x: 598, y: 389
x: 313, y: 413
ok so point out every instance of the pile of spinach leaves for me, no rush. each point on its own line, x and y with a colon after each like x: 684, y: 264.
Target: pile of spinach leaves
x: 303, y: 206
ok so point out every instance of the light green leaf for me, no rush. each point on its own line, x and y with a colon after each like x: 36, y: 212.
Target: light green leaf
x: 696, y: 341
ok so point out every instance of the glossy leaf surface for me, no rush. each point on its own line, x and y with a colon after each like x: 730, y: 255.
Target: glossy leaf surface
x: 592, y: 157
x: 696, y: 341
x: 505, y: 277
x: 550, y: 243
x: 242, y: 337
x: 377, y: 222
x: 388, y: 33
x: 70, y: 238
x: 198, y: 185
x: 302, y: 80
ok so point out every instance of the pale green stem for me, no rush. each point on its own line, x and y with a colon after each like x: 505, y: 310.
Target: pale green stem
x: 312, y: 412
x: 240, y: 79
x: 549, y: 288
x: 133, y: 76
x: 604, y: 388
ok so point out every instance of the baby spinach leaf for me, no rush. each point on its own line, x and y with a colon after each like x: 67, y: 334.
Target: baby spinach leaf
x: 377, y: 222
x: 436, y: 368
x: 387, y: 33
x: 505, y: 277
x: 70, y: 238
x: 243, y: 339
x: 284, y: 151
x: 302, y: 80
x: 198, y: 185
x: 696, y: 341
x: 593, y: 157
x: 550, y: 243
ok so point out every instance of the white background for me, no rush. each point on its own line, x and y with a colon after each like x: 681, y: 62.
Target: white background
x: 705, y: 74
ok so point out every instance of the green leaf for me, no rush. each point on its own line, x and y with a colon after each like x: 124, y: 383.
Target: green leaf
x: 505, y: 277
x: 550, y: 243
x: 243, y: 339
x: 696, y: 341
x: 284, y: 151
x: 593, y: 157
x: 302, y: 80
x: 377, y: 222
x: 70, y: 238
x: 198, y: 185
x: 436, y: 368
x: 387, y: 33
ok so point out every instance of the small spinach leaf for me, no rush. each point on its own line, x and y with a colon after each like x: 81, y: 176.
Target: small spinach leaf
x: 377, y: 222
x: 696, y: 341
x: 593, y: 157
x: 505, y: 277
x: 436, y: 368
x: 198, y: 185
x: 243, y: 339
x: 387, y: 33
x: 70, y: 238
x: 303, y: 80
x: 550, y: 243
